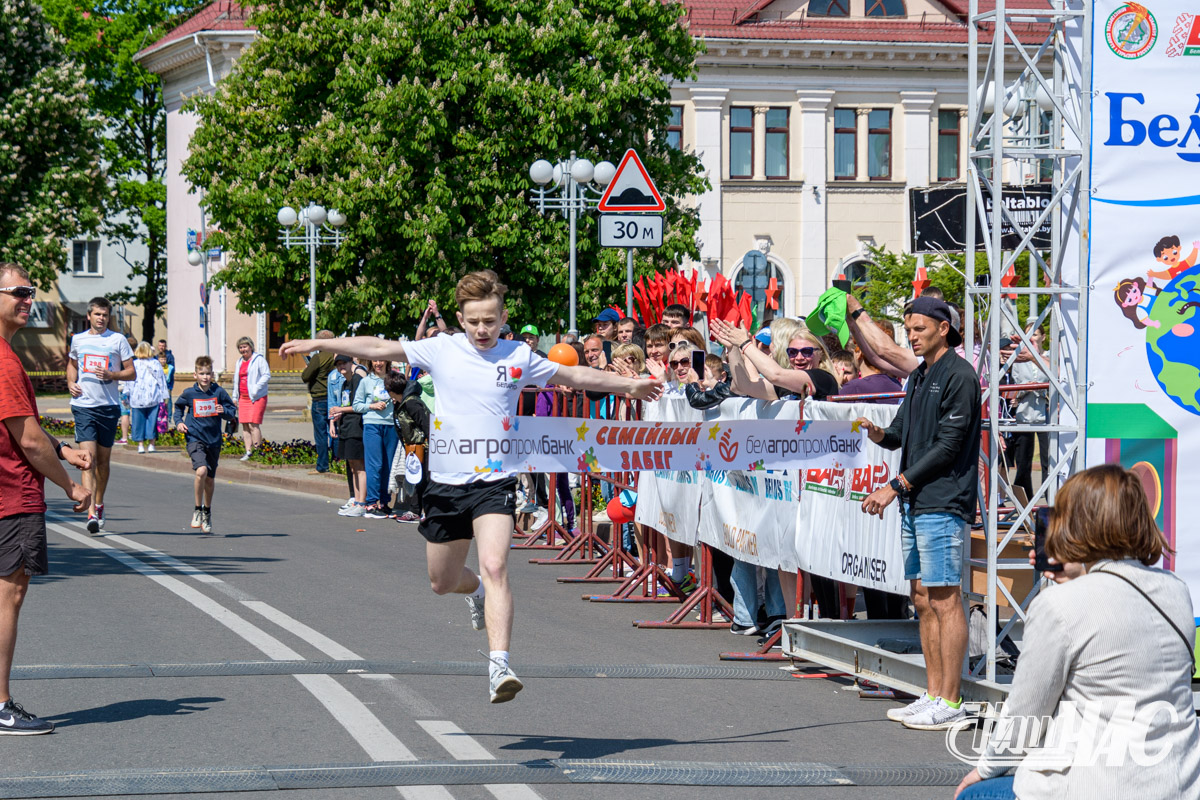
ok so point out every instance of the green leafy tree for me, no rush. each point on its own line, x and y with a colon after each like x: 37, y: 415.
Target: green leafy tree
x: 889, y: 282
x: 104, y: 37
x: 419, y: 119
x: 52, y: 187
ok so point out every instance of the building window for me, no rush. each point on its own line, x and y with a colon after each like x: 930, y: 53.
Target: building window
x: 879, y: 144
x: 777, y: 143
x: 845, y: 145
x: 85, y: 257
x: 675, y: 128
x: 741, y: 142
x: 755, y: 278
x: 886, y: 8
x: 1045, y: 165
x: 829, y: 8
x: 947, y: 146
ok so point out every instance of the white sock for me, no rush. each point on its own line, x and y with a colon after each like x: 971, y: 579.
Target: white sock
x: 499, y: 659
x: 479, y: 591
x: 680, y: 567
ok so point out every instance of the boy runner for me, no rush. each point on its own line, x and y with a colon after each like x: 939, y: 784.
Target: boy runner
x: 97, y: 360
x: 477, y: 373
x: 198, y: 414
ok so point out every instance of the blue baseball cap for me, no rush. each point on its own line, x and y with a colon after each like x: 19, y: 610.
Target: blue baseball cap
x: 764, y: 336
x: 607, y: 315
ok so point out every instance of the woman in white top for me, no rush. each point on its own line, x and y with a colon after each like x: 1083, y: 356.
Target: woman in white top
x: 1106, y: 662
x: 250, y: 393
x: 149, y: 388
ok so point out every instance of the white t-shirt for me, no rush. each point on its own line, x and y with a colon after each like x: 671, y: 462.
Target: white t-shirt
x: 467, y: 381
x: 92, y: 351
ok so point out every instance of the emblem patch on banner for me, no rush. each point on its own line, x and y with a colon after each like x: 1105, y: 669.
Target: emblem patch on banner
x: 1185, y: 37
x: 1131, y: 31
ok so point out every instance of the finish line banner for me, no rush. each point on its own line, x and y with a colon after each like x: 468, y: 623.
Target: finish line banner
x: 567, y: 444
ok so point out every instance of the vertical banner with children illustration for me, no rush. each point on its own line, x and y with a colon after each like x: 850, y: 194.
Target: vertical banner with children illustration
x: 1143, y: 349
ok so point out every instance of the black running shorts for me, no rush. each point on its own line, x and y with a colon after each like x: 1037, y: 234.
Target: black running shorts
x: 450, y: 510
x: 23, y: 544
x: 204, y: 455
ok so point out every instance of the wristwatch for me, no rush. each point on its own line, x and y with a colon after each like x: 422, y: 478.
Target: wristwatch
x: 58, y: 446
x: 856, y: 313
x: 897, y: 485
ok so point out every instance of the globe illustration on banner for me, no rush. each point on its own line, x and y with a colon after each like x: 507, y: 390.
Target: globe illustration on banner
x: 1173, y: 348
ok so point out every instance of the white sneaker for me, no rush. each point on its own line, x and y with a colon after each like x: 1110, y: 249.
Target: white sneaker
x: 141, y: 447
x: 346, y: 504
x: 245, y: 457
x: 197, y: 516
x: 503, y: 685
x: 915, y: 707
x: 206, y: 520
x: 936, y: 716
x: 478, y: 621
x: 356, y: 510
x: 151, y: 449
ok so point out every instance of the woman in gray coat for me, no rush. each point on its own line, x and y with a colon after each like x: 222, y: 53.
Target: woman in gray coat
x: 1106, y: 663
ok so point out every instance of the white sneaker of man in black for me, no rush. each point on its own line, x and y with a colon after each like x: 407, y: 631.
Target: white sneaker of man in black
x: 16, y: 721
x: 936, y: 716
x: 915, y: 707
x: 478, y: 620
x: 196, y: 517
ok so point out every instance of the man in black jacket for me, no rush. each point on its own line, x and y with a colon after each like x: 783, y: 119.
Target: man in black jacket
x: 937, y: 430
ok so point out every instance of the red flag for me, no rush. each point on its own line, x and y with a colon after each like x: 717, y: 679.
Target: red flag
x: 643, y: 302
x: 1008, y: 279
x: 746, y: 312
x: 920, y: 281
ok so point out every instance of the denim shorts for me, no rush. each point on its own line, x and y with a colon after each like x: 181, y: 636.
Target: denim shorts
x: 933, y: 547
x: 96, y: 424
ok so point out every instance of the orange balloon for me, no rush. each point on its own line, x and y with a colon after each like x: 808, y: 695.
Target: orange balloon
x: 564, y: 354
x: 618, y: 513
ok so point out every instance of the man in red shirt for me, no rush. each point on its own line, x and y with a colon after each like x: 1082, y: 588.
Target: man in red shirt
x: 28, y: 455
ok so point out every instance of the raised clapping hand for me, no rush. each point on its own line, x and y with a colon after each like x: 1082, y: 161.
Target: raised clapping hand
x: 729, y: 335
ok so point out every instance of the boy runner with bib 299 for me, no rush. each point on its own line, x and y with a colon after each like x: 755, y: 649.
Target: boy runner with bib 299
x: 198, y: 414
x: 462, y: 506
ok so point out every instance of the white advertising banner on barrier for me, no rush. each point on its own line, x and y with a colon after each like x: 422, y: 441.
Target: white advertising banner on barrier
x: 1143, y: 348
x: 834, y: 537
x: 563, y: 444
x: 752, y: 515
x: 669, y: 500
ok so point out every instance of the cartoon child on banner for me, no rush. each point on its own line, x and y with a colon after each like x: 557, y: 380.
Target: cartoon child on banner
x: 1169, y: 315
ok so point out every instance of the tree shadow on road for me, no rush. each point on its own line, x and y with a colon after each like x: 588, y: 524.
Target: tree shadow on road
x: 71, y: 560
x: 128, y: 710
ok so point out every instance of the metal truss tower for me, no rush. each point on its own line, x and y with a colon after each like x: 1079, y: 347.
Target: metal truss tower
x: 1029, y: 121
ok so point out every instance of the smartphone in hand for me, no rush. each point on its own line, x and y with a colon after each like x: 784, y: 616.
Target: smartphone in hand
x: 1041, y: 561
x: 698, y: 363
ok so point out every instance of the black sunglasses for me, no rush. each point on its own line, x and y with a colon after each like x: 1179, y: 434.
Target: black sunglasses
x: 20, y: 292
x: 807, y: 352
x: 680, y: 361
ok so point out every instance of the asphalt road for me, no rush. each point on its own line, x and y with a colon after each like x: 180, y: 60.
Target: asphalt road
x: 286, y: 580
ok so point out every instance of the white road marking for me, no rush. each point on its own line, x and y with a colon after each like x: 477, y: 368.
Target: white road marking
x: 463, y: 748
x: 372, y: 735
x: 451, y: 737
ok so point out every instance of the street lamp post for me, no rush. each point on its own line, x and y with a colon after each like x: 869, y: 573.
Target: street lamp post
x: 320, y: 227
x: 573, y: 180
x: 198, y: 258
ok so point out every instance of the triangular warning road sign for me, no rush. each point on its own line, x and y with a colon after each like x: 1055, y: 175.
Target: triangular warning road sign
x: 631, y: 188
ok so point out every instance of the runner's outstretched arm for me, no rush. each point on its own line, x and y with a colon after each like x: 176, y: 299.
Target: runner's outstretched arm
x: 595, y: 380
x: 364, y: 347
